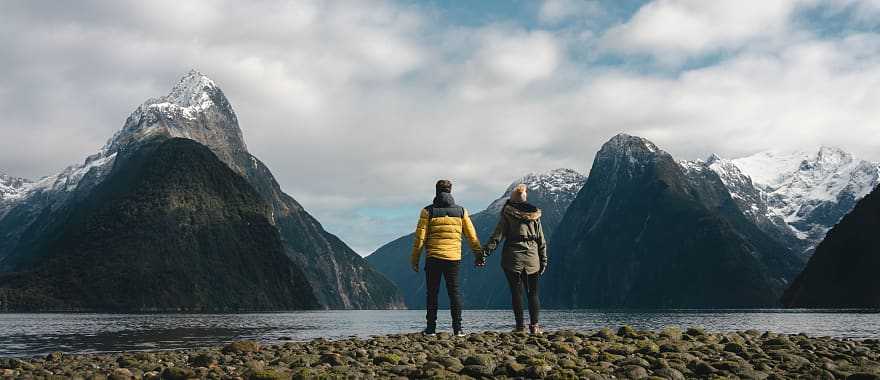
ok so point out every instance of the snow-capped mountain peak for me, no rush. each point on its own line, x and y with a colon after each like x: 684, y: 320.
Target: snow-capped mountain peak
x: 193, y: 109
x: 558, y: 186
x: 555, y: 181
x: 806, y: 192
x: 630, y: 146
x: 192, y: 91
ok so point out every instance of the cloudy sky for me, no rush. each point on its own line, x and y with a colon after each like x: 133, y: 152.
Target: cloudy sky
x: 358, y: 106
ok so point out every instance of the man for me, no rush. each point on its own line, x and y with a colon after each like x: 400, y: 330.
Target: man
x: 439, y: 232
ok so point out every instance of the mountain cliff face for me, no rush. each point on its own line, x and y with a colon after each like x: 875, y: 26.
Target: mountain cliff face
x: 843, y: 271
x: 551, y: 191
x: 170, y: 228
x: 645, y: 231
x: 197, y: 109
x: 752, y: 201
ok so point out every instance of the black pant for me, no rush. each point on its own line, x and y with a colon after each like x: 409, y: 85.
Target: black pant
x: 434, y: 268
x: 516, y: 282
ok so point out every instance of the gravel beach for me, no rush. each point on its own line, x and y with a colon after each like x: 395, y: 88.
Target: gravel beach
x: 624, y: 353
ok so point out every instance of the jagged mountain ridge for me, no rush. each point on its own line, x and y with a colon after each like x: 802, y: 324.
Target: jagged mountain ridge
x: 551, y: 191
x: 197, y: 109
x: 751, y: 201
x: 645, y: 231
x: 797, y: 196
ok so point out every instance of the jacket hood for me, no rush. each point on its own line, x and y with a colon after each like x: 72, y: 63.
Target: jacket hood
x: 522, y: 210
x: 444, y: 200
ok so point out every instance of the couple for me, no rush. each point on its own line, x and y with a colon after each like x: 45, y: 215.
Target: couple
x: 524, y: 257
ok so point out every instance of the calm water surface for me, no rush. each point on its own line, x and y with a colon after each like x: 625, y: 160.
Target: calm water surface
x: 37, y: 334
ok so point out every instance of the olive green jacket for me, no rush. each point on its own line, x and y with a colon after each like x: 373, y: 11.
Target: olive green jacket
x: 525, y: 248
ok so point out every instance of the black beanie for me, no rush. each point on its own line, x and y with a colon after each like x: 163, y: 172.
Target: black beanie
x: 444, y: 186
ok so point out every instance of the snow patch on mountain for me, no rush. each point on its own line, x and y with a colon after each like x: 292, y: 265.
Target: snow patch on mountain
x: 559, y: 186
x: 12, y: 187
x: 805, y: 192
x: 192, y: 109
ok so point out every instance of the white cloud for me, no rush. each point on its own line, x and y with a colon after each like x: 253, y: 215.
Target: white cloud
x: 359, y: 105
x: 677, y: 29
x: 505, y: 61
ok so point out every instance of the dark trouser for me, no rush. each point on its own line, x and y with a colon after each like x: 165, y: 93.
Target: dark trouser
x: 516, y: 282
x: 434, y: 268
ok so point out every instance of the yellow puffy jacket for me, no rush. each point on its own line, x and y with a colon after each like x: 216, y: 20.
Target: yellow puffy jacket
x: 440, y: 234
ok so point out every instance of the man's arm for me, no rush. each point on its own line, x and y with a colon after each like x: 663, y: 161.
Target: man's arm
x: 471, y: 233
x: 419, y: 240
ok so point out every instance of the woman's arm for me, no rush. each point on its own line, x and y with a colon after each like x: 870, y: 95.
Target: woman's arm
x: 542, y: 247
x: 499, y: 234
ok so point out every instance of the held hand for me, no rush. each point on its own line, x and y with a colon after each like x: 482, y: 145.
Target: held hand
x: 542, y: 270
x: 480, y: 258
x: 480, y: 262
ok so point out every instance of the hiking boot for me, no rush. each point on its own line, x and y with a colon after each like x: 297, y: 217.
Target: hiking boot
x: 459, y: 333
x: 430, y: 331
x: 519, y: 329
x: 535, y: 329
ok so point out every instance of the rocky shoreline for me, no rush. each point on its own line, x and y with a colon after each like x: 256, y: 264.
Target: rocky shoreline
x: 625, y: 353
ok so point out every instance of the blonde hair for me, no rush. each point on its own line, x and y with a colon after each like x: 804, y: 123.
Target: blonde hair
x: 519, y: 193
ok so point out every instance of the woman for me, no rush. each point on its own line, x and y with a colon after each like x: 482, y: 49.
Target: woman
x: 524, y: 257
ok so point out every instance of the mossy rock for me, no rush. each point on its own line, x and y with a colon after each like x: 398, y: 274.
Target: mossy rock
x: 304, y: 374
x: 562, y: 348
x: 267, y: 375
x: 514, y: 369
x: 538, y: 371
x: 627, y: 331
x: 483, y: 360
x: 387, y: 358
x: 734, y: 348
x: 605, y: 333
x: 671, y: 332
x: 609, y: 357
x: 241, y: 346
x: 647, y: 347
x: 177, y: 373
x: 534, y: 361
x: 203, y: 360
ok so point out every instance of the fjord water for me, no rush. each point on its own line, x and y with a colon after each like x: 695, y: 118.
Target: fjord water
x: 37, y: 334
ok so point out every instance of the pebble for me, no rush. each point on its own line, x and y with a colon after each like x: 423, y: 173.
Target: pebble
x: 623, y: 352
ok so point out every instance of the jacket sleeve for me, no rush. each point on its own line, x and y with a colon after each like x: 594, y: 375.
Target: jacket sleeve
x: 470, y: 232
x: 542, y: 245
x: 497, y: 235
x: 419, y: 237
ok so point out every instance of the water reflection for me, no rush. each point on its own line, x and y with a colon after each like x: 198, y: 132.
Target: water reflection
x: 37, y: 334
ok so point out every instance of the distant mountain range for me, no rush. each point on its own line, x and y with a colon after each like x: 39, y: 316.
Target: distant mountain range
x: 646, y: 231
x: 552, y: 191
x: 34, y: 220
x: 738, y: 242
x: 797, y: 196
